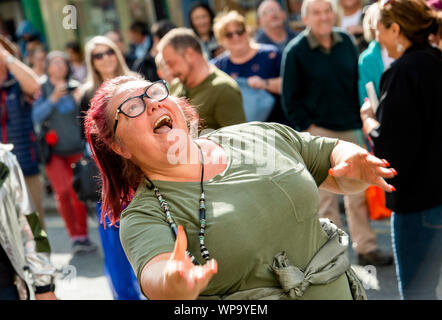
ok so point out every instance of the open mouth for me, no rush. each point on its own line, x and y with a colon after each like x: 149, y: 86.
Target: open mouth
x: 163, y: 125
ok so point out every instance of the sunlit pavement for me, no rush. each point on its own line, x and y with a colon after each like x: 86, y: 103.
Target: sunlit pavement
x: 81, y: 276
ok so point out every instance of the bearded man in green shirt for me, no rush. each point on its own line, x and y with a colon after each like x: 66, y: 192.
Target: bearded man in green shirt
x: 214, y: 93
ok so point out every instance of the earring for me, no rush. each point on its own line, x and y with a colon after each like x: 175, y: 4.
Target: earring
x: 399, y: 47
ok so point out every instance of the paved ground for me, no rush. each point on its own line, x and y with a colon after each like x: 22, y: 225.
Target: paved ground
x: 83, y: 273
x: 86, y: 280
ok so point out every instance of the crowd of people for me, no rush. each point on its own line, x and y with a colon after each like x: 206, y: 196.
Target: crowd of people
x: 351, y: 100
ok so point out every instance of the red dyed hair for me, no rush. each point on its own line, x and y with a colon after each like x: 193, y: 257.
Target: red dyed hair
x: 119, y: 176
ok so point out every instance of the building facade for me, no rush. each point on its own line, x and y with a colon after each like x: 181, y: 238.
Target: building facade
x: 60, y: 21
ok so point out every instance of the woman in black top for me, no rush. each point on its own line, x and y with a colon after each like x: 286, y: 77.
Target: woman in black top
x: 407, y: 130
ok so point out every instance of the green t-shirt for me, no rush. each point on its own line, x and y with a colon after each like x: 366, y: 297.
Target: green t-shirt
x: 265, y: 202
x: 217, y: 99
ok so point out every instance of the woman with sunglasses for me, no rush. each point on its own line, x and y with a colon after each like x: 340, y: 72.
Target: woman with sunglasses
x: 105, y: 61
x: 213, y: 217
x: 254, y: 66
x: 407, y: 130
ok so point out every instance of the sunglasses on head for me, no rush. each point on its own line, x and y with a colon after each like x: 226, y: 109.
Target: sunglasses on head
x: 239, y: 32
x: 100, y: 55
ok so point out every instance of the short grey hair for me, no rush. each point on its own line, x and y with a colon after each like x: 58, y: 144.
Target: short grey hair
x: 260, y: 9
x: 306, y: 3
x: 180, y: 39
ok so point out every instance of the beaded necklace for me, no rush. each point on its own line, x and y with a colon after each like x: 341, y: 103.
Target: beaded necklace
x: 202, y: 214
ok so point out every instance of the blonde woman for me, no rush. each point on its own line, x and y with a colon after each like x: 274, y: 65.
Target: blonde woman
x: 104, y: 61
x: 374, y: 60
x: 252, y: 65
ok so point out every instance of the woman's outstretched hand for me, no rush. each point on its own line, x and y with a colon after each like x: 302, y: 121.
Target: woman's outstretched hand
x: 182, y: 278
x: 354, y: 169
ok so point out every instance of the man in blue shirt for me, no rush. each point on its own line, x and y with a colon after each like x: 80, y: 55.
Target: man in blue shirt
x: 273, y: 27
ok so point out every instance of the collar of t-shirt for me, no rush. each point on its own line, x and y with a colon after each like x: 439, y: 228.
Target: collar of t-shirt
x: 313, y: 43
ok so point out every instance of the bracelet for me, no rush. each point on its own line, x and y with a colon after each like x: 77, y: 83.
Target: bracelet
x: 266, y: 83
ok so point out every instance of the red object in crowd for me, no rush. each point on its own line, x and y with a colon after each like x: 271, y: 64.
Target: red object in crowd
x: 51, y: 138
x: 375, y: 197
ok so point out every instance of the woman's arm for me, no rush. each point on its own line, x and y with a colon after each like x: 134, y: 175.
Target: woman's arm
x: 353, y: 169
x: 273, y: 85
x: 171, y: 276
x: 27, y: 78
x: 41, y: 109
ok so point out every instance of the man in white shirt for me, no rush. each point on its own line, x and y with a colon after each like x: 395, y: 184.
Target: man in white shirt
x: 350, y: 19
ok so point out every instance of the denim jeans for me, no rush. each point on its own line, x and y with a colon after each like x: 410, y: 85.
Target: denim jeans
x: 417, y: 246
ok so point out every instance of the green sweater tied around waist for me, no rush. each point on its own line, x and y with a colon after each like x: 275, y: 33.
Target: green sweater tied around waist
x: 327, y: 265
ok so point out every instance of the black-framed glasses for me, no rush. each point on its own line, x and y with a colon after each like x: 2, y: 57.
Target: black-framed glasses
x: 134, y: 106
x: 239, y: 32
x: 100, y: 55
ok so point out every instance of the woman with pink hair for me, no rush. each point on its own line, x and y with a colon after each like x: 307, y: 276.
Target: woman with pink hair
x: 213, y: 217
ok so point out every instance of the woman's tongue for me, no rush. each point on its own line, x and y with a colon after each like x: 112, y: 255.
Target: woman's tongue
x: 163, y: 129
